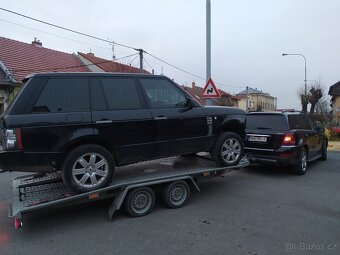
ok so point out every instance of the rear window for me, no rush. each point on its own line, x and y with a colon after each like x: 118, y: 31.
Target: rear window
x: 266, y: 121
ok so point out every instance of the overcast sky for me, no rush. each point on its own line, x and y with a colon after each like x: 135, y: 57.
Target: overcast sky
x: 248, y: 38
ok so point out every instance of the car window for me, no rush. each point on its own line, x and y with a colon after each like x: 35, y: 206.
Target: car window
x: 266, y: 121
x: 162, y: 93
x: 299, y: 121
x: 115, y: 94
x: 64, y: 95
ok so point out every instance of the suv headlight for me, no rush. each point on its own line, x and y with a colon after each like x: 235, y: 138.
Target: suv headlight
x: 11, y: 139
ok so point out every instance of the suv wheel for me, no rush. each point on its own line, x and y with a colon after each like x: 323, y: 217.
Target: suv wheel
x: 228, y: 149
x: 301, y: 167
x: 87, y: 168
x: 324, y: 151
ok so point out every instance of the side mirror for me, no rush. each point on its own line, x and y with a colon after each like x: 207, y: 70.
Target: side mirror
x: 190, y: 103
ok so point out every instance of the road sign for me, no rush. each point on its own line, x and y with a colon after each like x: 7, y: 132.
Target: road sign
x: 210, y: 90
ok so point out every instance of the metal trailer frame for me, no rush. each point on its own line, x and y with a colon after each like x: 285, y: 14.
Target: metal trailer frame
x: 36, y: 191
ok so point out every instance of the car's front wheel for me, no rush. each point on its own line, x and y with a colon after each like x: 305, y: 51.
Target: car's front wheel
x: 87, y: 168
x: 228, y: 149
x: 324, y: 151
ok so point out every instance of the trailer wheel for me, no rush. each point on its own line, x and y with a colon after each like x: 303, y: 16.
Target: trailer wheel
x: 140, y: 202
x: 87, y: 168
x: 176, y: 194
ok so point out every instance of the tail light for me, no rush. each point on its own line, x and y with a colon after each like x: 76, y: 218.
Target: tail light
x: 11, y: 139
x: 288, y: 139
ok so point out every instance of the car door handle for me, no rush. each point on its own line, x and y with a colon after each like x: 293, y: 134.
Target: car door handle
x: 161, y: 118
x: 103, y: 121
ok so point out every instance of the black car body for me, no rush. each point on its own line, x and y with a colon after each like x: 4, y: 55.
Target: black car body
x: 133, y: 117
x: 285, y: 138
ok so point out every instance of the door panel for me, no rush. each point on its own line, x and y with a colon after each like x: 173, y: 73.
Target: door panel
x: 179, y: 129
x: 121, y: 118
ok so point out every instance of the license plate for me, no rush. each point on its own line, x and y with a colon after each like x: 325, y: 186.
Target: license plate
x: 261, y: 139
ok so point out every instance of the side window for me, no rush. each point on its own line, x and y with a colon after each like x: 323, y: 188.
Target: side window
x: 162, y: 94
x: 299, y: 122
x: 64, y: 95
x: 115, y: 94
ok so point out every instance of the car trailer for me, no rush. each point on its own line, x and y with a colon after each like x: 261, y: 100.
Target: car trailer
x: 133, y: 187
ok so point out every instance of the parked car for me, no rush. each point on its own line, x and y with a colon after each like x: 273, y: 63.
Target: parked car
x: 285, y: 138
x: 85, y: 124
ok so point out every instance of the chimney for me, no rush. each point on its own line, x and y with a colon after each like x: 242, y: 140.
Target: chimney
x: 90, y: 53
x: 37, y: 43
x: 193, y: 85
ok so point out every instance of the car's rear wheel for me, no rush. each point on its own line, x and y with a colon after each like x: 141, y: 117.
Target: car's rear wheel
x: 87, y: 168
x: 301, y: 166
x: 324, y: 151
x: 228, y: 149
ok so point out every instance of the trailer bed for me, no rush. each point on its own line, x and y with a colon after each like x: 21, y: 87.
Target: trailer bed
x: 34, y: 192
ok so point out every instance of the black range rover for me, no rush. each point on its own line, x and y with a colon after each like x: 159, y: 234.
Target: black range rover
x: 285, y: 138
x: 85, y: 124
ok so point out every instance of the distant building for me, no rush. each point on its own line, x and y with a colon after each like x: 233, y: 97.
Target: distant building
x: 257, y: 100
x: 334, y: 92
x: 18, y: 59
x: 226, y: 99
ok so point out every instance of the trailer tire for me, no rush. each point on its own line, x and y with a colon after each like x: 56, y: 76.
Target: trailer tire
x: 87, y: 168
x: 228, y: 149
x: 176, y: 194
x: 140, y: 201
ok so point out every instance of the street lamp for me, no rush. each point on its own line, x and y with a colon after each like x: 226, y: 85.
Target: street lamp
x: 285, y: 54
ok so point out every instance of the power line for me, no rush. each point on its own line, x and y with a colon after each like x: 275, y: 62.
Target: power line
x: 69, y: 67
x: 180, y: 69
x: 149, y: 65
x: 67, y: 29
x: 115, y: 43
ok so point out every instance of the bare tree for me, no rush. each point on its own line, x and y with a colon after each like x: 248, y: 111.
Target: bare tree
x: 304, y: 99
x: 316, y: 93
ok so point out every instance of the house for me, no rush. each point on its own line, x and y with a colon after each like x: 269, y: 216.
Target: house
x: 255, y: 100
x: 19, y: 59
x: 226, y: 99
x: 334, y: 92
x: 96, y: 64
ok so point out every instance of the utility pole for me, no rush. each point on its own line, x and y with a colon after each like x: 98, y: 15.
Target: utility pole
x: 208, y: 45
x: 141, y: 60
x: 247, y: 106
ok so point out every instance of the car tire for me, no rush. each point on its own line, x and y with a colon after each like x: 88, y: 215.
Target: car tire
x: 228, y: 149
x: 324, y: 151
x: 87, y: 168
x: 176, y: 194
x: 302, y: 162
x: 139, y: 201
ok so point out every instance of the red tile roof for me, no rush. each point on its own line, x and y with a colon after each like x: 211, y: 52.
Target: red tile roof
x: 23, y: 59
x: 197, y: 92
x: 110, y: 66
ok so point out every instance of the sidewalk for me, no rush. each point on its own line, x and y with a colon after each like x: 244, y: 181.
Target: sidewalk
x: 333, y: 146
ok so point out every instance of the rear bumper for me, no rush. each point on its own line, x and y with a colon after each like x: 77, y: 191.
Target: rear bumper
x: 285, y: 155
x: 28, y: 162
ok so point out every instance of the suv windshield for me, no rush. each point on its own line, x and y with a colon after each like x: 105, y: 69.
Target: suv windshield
x: 266, y: 121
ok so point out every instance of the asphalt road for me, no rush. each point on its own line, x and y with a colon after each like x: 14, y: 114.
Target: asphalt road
x: 263, y: 210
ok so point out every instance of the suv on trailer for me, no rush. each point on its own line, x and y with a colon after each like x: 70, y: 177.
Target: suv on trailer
x: 285, y: 138
x: 85, y: 124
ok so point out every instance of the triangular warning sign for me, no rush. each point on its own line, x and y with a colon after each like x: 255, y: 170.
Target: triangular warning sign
x: 210, y: 90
